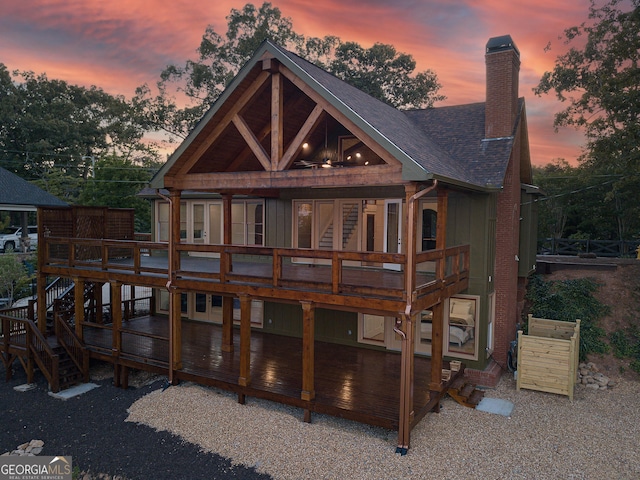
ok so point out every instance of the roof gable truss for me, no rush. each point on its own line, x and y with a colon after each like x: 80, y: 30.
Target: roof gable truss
x: 283, y: 152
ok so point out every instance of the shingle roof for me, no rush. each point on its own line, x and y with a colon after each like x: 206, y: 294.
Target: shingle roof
x: 459, y: 130
x: 445, y: 143
x: 16, y: 191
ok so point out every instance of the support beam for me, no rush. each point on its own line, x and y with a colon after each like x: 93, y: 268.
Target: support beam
x: 42, y: 303
x: 227, y: 324
x: 97, y: 297
x: 225, y: 258
x: 253, y: 142
x: 245, y: 341
x: 174, y: 296
x: 308, y: 343
x: 176, y: 325
x: 407, y: 332
x: 277, y: 119
x: 437, y: 331
x: 78, y: 298
x: 116, y: 319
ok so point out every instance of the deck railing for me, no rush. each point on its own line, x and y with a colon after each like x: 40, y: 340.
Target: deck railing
x: 22, y: 337
x: 74, y: 347
x: 435, y: 268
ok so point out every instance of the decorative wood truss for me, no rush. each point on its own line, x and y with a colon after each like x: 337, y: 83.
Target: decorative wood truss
x: 246, y: 149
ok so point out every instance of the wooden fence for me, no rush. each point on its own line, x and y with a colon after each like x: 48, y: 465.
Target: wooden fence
x: 600, y: 248
x: 548, y: 356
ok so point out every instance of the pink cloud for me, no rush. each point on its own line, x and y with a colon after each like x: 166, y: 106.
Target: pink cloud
x: 119, y: 45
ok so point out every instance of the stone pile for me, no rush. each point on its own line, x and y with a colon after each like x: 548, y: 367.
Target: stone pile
x: 590, y: 377
x: 29, y: 449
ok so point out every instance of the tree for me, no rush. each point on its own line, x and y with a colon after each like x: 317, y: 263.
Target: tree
x: 116, y: 182
x: 52, y: 132
x: 13, y: 276
x: 598, y: 78
x: 380, y: 70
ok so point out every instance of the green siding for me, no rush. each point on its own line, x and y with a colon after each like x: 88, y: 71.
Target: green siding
x: 330, y: 325
x: 471, y: 219
x: 528, y: 233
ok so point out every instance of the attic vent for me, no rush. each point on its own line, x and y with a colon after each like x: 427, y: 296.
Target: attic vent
x: 502, y: 43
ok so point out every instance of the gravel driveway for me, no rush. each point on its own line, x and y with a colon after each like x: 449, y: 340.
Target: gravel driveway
x: 189, y: 431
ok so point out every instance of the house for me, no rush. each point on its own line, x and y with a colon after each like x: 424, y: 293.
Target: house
x: 316, y: 247
x: 18, y: 195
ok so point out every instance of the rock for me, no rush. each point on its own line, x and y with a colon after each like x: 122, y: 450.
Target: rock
x: 592, y: 386
x: 36, y: 443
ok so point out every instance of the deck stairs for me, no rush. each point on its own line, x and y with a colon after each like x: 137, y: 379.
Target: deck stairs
x: 68, y: 372
x: 465, y: 393
x: 60, y: 301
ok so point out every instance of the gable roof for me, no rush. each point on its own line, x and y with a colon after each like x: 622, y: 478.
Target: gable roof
x: 459, y: 130
x: 18, y: 194
x: 446, y: 143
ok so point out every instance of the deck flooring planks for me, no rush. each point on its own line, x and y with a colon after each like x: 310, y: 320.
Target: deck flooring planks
x: 356, y: 383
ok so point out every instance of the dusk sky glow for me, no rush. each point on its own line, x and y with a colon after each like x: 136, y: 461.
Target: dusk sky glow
x: 122, y: 44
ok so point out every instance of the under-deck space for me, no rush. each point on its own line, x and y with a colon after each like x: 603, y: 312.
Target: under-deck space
x: 355, y: 383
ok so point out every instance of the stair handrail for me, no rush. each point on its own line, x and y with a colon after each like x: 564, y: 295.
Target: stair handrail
x: 43, y: 354
x: 72, y: 345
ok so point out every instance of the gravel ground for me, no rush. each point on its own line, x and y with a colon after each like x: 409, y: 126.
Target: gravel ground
x: 547, y: 437
x: 189, y: 431
x: 91, y: 428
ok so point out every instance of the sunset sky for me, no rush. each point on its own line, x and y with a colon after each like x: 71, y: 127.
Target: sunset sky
x: 118, y: 45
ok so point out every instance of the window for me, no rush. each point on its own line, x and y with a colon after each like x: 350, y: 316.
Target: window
x: 461, y: 321
x: 163, y: 221
x: 202, y: 222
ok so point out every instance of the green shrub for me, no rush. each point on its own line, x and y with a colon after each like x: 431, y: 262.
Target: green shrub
x: 568, y: 300
x: 626, y: 344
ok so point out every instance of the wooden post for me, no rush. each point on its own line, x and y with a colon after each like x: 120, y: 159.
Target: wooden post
x: 308, y: 343
x: 43, y: 256
x: 406, y: 382
x: 174, y: 296
x: 437, y: 329
x: 78, y: 297
x: 116, y: 332
x: 226, y: 264
x: 245, y: 340
x: 277, y: 116
x: 227, y: 324
x: 97, y: 295
x: 176, y: 325
x: 441, y: 231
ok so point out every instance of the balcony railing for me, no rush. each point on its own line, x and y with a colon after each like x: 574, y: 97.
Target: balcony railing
x: 327, y: 271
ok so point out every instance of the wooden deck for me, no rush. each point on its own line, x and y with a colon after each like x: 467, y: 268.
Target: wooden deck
x: 336, y: 279
x: 354, y: 383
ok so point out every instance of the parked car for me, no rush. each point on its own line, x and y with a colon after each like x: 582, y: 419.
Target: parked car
x: 10, y: 238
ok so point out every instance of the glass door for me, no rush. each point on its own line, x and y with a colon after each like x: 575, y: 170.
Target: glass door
x: 393, y: 230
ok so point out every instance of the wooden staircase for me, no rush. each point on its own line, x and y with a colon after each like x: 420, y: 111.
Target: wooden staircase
x: 465, y: 393
x: 68, y: 372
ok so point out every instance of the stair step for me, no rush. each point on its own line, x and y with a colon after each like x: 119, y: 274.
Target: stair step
x: 476, y: 397
x: 458, y: 383
x: 467, y: 390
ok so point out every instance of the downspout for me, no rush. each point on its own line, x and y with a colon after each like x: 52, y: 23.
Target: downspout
x: 168, y: 287
x: 411, y: 258
x: 411, y: 239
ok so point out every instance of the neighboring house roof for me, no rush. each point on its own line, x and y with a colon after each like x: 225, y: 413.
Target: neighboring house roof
x: 446, y: 143
x: 18, y: 194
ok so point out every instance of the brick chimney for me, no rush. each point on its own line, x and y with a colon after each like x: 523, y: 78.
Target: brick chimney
x: 502, y: 60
